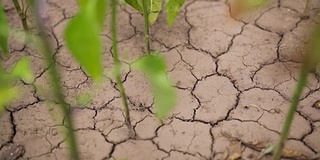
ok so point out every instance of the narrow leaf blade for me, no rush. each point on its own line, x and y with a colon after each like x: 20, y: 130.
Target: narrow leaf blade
x: 4, y: 31
x: 83, y: 40
x: 99, y: 8
x: 155, y: 69
x: 172, y: 9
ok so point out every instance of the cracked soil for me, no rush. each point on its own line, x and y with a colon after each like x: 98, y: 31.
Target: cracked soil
x: 234, y: 78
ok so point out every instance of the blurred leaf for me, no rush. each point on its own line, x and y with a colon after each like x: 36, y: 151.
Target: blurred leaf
x: 165, y: 96
x: 100, y: 7
x: 7, y: 94
x: 82, y: 3
x: 22, y: 70
x: 312, y: 57
x: 135, y: 4
x: 83, y: 40
x: 101, y: 11
x: 83, y: 99
x: 172, y: 10
x: 244, y: 6
x: 4, y: 31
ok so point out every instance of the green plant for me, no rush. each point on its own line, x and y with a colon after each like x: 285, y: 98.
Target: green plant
x: 4, y: 32
x: 21, y: 70
x: 22, y: 12
x: 117, y: 66
x: 82, y: 38
x: 46, y: 49
x: 310, y: 61
x: 84, y: 30
x: 151, y: 9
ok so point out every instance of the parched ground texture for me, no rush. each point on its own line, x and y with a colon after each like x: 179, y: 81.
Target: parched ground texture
x: 234, y: 77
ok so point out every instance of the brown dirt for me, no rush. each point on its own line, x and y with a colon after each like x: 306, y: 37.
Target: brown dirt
x: 234, y: 78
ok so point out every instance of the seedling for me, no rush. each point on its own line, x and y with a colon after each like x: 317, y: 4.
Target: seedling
x: 22, y: 12
x: 82, y: 38
x: 310, y: 61
x: 21, y: 70
x: 151, y: 9
x: 117, y: 66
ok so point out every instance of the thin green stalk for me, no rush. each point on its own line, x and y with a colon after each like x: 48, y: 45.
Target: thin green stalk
x: 146, y: 25
x: 22, y: 15
x: 290, y: 115
x: 118, y: 67
x: 56, y: 84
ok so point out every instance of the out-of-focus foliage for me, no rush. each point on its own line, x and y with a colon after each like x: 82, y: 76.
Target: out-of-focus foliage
x: 8, y: 90
x: 100, y: 9
x: 82, y: 36
x: 244, y: 6
x: 312, y: 56
x: 154, y: 7
x: 155, y: 69
x: 4, y: 31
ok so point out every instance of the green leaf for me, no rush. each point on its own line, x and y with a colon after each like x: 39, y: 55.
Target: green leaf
x: 4, y: 31
x: 172, y: 10
x: 22, y: 70
x: 82, y: 3
x: 83, y: 40
x: 100, y: 7
x: 154, y: 8
x: 155, y: 69
x: 7, y: 94
x: 135, y: 4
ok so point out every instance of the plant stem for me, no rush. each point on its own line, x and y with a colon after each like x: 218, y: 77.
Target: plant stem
x: 118, y: 67
x: 22, y: 15
x: 146, y: 25
x: 290, y: 115
x: 56, y: 83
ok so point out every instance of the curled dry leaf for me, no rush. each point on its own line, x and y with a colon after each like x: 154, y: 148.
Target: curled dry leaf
x: 292, y: 153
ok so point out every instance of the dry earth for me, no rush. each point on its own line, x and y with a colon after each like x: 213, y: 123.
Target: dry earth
x: 234, y: 78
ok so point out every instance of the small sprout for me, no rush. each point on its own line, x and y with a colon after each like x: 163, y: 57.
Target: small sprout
x: 269, y: 149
